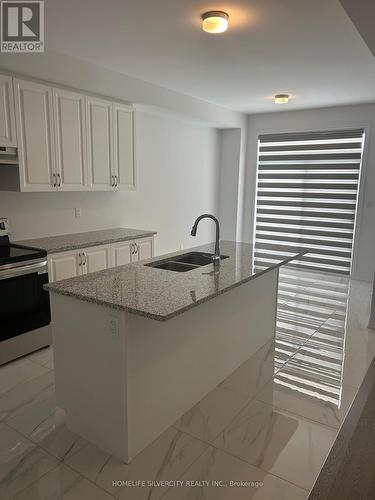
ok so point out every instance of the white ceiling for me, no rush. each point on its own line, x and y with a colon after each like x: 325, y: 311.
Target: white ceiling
x: 308, y: 48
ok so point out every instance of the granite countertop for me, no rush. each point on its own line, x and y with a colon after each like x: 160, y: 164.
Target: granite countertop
x: 61, y: 243
x: 160, y: 294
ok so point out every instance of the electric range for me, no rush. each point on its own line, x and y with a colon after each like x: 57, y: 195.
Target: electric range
x: 24, y: 306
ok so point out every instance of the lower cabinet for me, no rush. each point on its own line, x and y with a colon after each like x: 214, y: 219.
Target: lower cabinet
x: 126, y: 252
x: 74, y: 263
x: 121, y: 253
x: 64, y: 265
x: 144, y: 248
x: 96, y: 258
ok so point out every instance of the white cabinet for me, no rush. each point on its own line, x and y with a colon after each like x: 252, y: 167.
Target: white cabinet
x: 74, y: 263
x: 7, y: 119
x: 96, y: 258
x: 110, y: 143
x: 99, y: 144
x: 123, y: 147
x: 126, y: 252
x: 121, y: 253
x: 70, y: 133
x: 64, y: 265
x: 67, y: 141
x: 36, y: 142
x: 144, y: 248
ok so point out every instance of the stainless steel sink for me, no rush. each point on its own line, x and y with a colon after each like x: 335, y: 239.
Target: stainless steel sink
x: 185, y: 262
x: 173, y: 266
x: 197, y: 258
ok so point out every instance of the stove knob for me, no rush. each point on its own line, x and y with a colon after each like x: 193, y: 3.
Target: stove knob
x: 2, y: 226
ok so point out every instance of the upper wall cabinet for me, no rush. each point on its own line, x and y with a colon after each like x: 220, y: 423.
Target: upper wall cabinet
x: 67, y: 141
x: 123, y: 149
x: 99, y: 144
x: 70, y: 133
x: 36, y: 142
x: 7, y: 119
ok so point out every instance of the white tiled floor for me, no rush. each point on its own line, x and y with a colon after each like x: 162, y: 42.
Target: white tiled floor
x: 270, y: 424
x: 165, y: 459
x: 303, y: 404
x: 211, y: 415
x: 216, y: 465
x: 273, y: 440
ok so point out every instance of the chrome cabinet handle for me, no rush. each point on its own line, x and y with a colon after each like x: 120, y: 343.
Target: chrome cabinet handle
x: 85, y: 256
x: 116, y: 185
x: 136, y: 247
x: 112, y: 180
x: 80, y: 259
x: 54, y: 180
x: 59, y: 177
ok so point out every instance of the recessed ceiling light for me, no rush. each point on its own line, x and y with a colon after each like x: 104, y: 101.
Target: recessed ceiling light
x: 215, y: 21
x: 281, y: 98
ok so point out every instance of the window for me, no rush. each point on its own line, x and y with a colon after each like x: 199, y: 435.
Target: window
x: 307, y: 190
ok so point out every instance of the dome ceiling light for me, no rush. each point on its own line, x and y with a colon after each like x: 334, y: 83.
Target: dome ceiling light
x: 281, y: 98
x: 215, y: 21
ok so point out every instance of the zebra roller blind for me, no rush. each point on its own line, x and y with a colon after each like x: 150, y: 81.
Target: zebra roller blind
x: 307, y: 191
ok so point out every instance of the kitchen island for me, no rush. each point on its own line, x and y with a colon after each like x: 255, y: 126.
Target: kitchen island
x: 137, y: 346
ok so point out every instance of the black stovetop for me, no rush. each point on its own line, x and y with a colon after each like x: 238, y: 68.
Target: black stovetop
x: 11, y: 252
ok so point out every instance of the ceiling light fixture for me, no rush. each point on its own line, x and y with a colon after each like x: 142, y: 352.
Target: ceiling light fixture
x: 281, y: 98
x: 215, y: 21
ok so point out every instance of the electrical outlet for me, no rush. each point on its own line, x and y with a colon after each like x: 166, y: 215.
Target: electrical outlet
x: 113, y: 326
x: 78, y: 212
x: 4, y: 226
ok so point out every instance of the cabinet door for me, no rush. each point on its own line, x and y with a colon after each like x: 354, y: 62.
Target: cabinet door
x: 144, y: 248
x: 96, y: 258
x: 36, y: 148
x: 99, y: 142
x: 123, y: 148
x: 64, y: 265
x: 7, y: 119
x: 122, y: 253
x: 70, y: 131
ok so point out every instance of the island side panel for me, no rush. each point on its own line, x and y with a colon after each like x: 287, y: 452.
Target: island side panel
x: 172, y: 365
x: 90, y: 371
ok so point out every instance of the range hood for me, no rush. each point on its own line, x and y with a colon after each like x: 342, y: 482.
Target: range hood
x: 8, y: 156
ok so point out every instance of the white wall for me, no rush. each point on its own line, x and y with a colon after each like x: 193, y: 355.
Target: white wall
x: 320, y: 119
x: 232, y: 169
x: 79, y: 74
x: 178, y: 179
x: 178, y: 153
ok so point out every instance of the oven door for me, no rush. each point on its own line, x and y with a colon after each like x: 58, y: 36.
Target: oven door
x: 24, y: 305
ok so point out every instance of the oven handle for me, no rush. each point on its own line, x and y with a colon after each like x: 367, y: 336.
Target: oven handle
x: 38, y: 267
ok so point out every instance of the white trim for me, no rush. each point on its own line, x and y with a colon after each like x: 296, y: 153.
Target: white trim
x: 360, y: 199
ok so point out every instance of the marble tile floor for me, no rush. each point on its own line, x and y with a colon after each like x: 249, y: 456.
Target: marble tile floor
x: 263, y: 433
x: 348, y: 472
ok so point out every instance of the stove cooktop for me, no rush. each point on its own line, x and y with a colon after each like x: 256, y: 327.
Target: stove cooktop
x: 11, y: 252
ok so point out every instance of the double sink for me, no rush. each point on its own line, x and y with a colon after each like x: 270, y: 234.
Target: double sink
x: 185, y: 262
